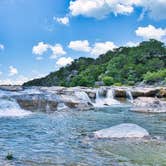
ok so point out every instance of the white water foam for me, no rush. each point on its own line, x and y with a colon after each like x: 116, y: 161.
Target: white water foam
x: 31, y: 91
x: 107, y: 101
x: 10, y: 108
x: 62, y: 106
x: 129, y: 96
x: 83, y: 96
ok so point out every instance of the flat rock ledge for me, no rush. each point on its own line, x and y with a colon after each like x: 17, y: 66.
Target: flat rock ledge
x: 149, y: 105
x: 124, y: 130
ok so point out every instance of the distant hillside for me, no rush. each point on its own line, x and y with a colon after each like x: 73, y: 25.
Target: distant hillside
x: 123, y: 66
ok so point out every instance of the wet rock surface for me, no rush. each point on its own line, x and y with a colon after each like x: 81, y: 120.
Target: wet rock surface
x: 149, y: 105
x: 50, y: 99
x: 38, y: 102
x: 126, y: 130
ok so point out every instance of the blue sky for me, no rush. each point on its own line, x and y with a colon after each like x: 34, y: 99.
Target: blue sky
x: 39, y: 36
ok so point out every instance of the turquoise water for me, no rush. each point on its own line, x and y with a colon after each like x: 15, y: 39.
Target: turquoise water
x: 65, y: 138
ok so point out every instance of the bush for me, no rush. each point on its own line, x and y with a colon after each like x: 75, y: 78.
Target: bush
x: 152, y: 77
x: 118, y: 84
x: 108, y: 80
x: 124, y: 65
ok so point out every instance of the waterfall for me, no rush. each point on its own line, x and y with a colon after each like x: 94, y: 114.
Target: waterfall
x: 83, y: 96
x: 99, y: 101
x: 129, y: 96
x: 62, y: 106
x: 111, y: 93
x: 10, y: 108
x: 108, y: 100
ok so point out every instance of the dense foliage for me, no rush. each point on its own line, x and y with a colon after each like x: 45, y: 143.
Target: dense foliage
x: 123, y: 66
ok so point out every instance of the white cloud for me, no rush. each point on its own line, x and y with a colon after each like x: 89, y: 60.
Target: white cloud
x: 132, y: 44
x: 101, y: 48
x: 57, y: 50
x: 12, y: 71
x: 42, y: 48
x: 64, y: 61
x: 97, y: 49
x: 154, y: 8
x: 80, y: 45
x: 2, y: 47
x: 101, y: 8
x: 151, y: 32
x: 18, y: 81
x: 62, y: 20
x: 39, y: 58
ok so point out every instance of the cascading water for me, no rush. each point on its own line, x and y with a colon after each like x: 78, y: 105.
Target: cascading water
x: 83, y: 96
x: 61, y: 107
x: 99, y: 101
x: 129, y: 96
x: 10, y: 108
x: 111, y: 93
x: 108, y: 100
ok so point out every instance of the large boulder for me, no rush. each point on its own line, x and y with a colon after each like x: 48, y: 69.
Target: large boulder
x: 38, y: 102
x: 74, y: 102
x: 149, y: 105
x: 144, y: 92
x: 50, y: 101
x: 120, y: 92
x: 125, y: 130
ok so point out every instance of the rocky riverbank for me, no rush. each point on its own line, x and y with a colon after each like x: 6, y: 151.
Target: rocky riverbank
x: 50, y: 99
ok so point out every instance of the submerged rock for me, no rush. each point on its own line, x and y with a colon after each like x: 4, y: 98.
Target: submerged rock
x: 125, y: 130
x: 149, y: 105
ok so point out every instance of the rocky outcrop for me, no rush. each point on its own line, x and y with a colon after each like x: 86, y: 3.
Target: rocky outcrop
x: 149, y: 105
x: 140, y: 91
x: 120, y: 92
x: 144, y: 92
x: 38, y: 102
x: 121, y: 131
x: 74, y: 102
x: 50, y: 102
x: 84, y: 98
x: 162, y: 93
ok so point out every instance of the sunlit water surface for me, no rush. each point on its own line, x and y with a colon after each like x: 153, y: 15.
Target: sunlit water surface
x: 66, y: 138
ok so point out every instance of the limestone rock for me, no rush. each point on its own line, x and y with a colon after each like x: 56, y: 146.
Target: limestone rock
x: 149, y: 105
x: 125, y: 130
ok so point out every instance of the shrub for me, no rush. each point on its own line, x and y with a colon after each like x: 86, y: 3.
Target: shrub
x: 108, y: 80
x: 118, y: 84
x: 151, y: 77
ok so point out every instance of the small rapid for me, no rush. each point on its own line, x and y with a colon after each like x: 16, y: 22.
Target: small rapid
x: 129, y: 96
x: 9, y: 107
x: 83, y: 96
x: 109, y: 100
